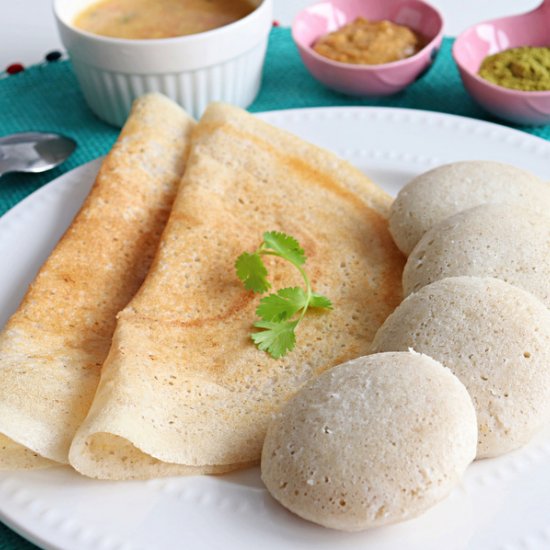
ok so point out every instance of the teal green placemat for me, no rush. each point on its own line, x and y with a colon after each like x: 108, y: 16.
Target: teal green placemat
x: 10, y: 541
x: 46, y: 97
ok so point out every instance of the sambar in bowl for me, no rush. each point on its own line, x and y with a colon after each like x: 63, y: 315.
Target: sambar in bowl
x: 122, y: 49
x: 149, y: 19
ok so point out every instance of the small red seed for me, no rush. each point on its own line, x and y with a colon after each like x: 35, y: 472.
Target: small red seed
x: 15, y: 68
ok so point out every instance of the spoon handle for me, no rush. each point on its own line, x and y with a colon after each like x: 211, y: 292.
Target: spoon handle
x: 7, y: 165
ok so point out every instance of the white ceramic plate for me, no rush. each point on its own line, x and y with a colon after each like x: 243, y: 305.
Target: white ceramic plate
x: 501, y: 504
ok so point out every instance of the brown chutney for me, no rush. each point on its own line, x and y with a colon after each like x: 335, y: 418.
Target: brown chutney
x: 369, y: 42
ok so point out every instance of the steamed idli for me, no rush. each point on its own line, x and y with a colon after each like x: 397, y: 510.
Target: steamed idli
x: 371, y: 442
x: 496, y: 338
x: 491, y: 240
x: 449, y: 189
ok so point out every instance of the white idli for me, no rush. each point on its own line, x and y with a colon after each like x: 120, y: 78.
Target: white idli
x: 371, y: 442
x: 491, y: 240
x: 449, y: 189
x: 496, y: 338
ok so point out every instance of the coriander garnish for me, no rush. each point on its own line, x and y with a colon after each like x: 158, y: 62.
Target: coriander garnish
x: 280, y: 312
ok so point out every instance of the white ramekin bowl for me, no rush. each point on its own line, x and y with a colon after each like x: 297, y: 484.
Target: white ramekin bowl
x: 224, y: 64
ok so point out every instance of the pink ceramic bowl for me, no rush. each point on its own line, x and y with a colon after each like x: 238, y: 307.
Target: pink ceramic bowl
x: 367, y: 80
x: 474, y: 44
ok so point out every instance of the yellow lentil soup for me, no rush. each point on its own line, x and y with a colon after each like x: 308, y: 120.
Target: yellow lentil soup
x: 146, y: 19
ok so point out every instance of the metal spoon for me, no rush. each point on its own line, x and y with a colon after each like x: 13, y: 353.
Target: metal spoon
x: 33, y: 152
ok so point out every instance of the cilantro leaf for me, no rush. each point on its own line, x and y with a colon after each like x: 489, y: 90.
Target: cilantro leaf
x: 277, y: 339
x: 318, y: 300
x: 286, y: 246
x: 280, y: 312
x: 252, y: 272
x: 282, y: 305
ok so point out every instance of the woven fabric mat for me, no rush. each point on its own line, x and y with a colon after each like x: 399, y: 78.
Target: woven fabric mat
x: 46, y: 97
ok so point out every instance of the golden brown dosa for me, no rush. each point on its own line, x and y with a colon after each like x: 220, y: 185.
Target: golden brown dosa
x: 52, y: 348
x: 184, y: 390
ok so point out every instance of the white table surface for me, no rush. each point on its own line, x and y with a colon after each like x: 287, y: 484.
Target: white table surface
x: 28, y: 32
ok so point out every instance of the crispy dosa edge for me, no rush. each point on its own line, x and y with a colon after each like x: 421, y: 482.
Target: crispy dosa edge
x: 183, y: 389
x: 52, y: 348
x: 16, y: 457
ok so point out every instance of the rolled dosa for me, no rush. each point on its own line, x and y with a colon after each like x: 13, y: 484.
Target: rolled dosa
x: 184, y: 389
x: 52, y: 348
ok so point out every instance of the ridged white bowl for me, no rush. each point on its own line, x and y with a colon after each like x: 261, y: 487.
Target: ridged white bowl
x: 224, y: 64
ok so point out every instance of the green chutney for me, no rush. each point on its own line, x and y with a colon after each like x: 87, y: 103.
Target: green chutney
x: 526, y: 68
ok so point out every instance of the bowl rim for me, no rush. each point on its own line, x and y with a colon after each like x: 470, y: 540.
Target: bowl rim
x: 140, y: 42
x: 494, y: 87
x: 368, y: 67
